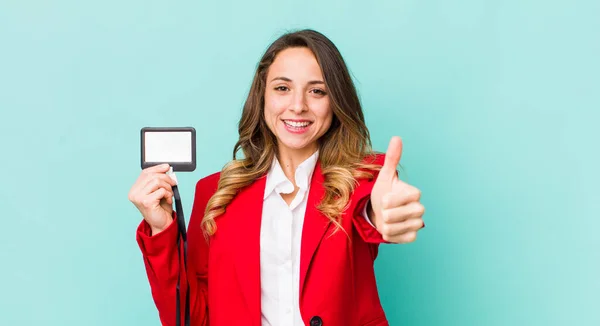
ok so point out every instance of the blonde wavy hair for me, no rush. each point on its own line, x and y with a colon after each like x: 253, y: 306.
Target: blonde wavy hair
x: 344, y: 150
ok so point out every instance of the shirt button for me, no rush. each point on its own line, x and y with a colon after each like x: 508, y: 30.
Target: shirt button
x: 316, y: 321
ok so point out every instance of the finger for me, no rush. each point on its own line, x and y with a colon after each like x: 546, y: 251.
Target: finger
x: 153, y: 199
x: 402, y: 238
x: 161, y: 177
x: 403, y: 213
x: 167, y: 202
x: 156, y: 184
x: 160, y: 168
x: 392, y: 158
x: 172, y: 181
x: 400, y: 196
x: 402, y: 232
x: 147, y: 174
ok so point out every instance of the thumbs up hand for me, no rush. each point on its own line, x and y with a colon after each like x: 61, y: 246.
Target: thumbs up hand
x: 395, y: 209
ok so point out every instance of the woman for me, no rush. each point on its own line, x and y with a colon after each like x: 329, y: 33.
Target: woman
x: 288, y: 234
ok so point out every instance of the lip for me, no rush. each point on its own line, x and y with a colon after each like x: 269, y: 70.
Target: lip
x: 296, y: 130
x: 296, y: 120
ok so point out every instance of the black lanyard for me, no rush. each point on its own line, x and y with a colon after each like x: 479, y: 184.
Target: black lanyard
x: 182, y: 236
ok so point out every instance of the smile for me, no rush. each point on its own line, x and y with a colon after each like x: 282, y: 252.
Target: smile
x: 297, y: 126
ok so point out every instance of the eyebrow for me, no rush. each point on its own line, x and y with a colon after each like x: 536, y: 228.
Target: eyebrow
x: 312, y: 82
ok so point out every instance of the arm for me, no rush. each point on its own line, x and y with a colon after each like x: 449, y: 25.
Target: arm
x: 163, y: 265
x: 362, y: 221
x: 362, y: 210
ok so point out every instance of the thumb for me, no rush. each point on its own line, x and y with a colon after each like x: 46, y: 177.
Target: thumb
x: 392, y: 158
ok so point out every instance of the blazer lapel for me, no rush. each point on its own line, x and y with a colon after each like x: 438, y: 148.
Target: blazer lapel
x: 315, y: 224
x: 248, y: 214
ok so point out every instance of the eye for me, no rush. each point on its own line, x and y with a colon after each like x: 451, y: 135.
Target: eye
x: 319, y: 91
x: 281, y: 88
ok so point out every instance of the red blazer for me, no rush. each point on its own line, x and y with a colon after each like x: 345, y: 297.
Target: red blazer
x: 337, y: 279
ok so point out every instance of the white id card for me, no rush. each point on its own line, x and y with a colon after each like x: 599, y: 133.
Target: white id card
x: 175, y: 146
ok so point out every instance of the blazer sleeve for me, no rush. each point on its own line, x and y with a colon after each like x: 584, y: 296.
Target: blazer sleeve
x: 361, y: 197
x: 163, y: 264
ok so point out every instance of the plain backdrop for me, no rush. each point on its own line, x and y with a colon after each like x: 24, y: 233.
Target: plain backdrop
x: 497, y: 103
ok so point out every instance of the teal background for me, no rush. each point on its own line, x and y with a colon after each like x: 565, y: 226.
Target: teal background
x: 497, y: 102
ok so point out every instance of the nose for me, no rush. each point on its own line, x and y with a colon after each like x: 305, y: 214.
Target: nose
x: 298, y: 104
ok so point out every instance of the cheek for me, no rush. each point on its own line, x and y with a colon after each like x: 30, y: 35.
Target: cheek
x: 324, y: 113
x: 271, y: 111
x: 274, y: 106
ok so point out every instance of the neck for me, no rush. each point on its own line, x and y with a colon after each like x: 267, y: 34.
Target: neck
x: 289, y: 159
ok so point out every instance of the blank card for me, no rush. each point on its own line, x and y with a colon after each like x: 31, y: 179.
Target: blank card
x: 175, y: 146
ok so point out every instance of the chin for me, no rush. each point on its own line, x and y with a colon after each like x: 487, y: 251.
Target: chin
x: 296, y: 144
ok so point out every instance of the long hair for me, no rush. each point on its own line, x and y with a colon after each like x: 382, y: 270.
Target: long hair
x: 343, y: 149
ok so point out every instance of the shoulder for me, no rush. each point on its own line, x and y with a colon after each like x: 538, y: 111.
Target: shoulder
x: 375, y: 158
x: 365, y: 181
x: 209, y: 180
x: 365, y: 175
x: 207, y: 186
x: 371, y: 164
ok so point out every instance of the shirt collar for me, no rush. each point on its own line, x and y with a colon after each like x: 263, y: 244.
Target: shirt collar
x: 276, y: 179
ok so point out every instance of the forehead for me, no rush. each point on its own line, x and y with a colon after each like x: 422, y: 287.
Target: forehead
x: 298, y: 63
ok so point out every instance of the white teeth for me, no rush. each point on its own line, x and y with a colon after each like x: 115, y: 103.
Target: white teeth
x: 297, y: 124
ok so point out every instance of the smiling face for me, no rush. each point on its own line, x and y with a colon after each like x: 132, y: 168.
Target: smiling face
x: 297, y: 108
